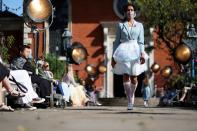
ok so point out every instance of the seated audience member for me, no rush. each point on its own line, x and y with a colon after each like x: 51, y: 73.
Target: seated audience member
x: 68, y: 87
x: 4, y: 73
x: 47, y: 71
x: 91, y: 91
x: 22, y: 77
x: 77, y: 92
x: 22, y: 62
x: 31, y: 97
x: 62, y: 87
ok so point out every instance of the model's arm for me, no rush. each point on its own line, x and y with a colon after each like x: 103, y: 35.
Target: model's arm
x: 141, y: 39
x: 141, y: 44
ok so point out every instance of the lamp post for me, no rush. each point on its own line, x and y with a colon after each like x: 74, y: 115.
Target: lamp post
x: 37, y: 11
x: 191, y: 41
x: 66, y: 43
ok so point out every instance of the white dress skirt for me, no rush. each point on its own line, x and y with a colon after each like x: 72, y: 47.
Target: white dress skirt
x: 127, y: 57
x: 23, y: 77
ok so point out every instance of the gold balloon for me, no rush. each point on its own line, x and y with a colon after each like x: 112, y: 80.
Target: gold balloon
x: 91, y: 70
x: 79, y: 55
x: 166, y: 71
x: 182, y: 53
x: 102, y: 69
x: 155, y: 67
x: 39, y: 10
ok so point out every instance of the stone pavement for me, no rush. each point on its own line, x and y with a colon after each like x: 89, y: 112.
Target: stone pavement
x: 101, y: 119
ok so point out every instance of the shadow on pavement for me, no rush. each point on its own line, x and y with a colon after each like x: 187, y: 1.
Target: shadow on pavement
x: 89, y: 109
x: 148, y: 113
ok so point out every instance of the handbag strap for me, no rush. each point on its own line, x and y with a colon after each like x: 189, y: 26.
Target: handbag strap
x: 21, y: 87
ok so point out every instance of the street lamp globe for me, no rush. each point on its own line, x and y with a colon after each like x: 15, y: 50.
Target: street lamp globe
x: 66, y: 37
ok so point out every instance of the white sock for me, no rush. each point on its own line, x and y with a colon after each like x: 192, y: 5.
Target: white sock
x: 127, y: 87
x: 133, y: 88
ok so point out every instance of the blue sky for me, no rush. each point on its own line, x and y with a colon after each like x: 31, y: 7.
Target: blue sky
x: 14, y: 4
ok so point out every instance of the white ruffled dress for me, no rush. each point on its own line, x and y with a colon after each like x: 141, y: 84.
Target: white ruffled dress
x: 128, y: 46
x: 127, y: 57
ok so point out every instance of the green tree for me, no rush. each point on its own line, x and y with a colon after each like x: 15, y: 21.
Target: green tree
x: 169, y: 17
x: 5, y: 45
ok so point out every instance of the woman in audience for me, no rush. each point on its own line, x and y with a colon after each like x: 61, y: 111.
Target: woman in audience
x: 62, y: 87
x: 68, y: 87
x: 4, y: 73
x: 78, y: 95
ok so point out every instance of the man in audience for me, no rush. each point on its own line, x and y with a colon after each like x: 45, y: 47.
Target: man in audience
x: 22, y: 62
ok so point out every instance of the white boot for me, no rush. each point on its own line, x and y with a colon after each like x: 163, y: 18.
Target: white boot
x: 130, y: 106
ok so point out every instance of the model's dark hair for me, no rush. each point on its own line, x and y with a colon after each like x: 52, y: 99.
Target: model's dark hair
x: 23, y: 47
x: 125, y: 7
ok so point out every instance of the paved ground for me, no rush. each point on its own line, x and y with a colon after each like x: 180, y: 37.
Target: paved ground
x: 100, y: 119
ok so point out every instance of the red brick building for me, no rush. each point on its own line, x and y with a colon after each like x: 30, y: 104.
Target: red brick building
x: 93, y: 23
x: 87, y: 18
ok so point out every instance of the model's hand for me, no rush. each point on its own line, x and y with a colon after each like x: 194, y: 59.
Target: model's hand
x: 113, y: 63
x: 142, y: 59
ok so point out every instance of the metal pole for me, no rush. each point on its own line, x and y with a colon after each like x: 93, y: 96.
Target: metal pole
x: 36, y: 45
x: 193, y: 66
x: 44, y: 43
